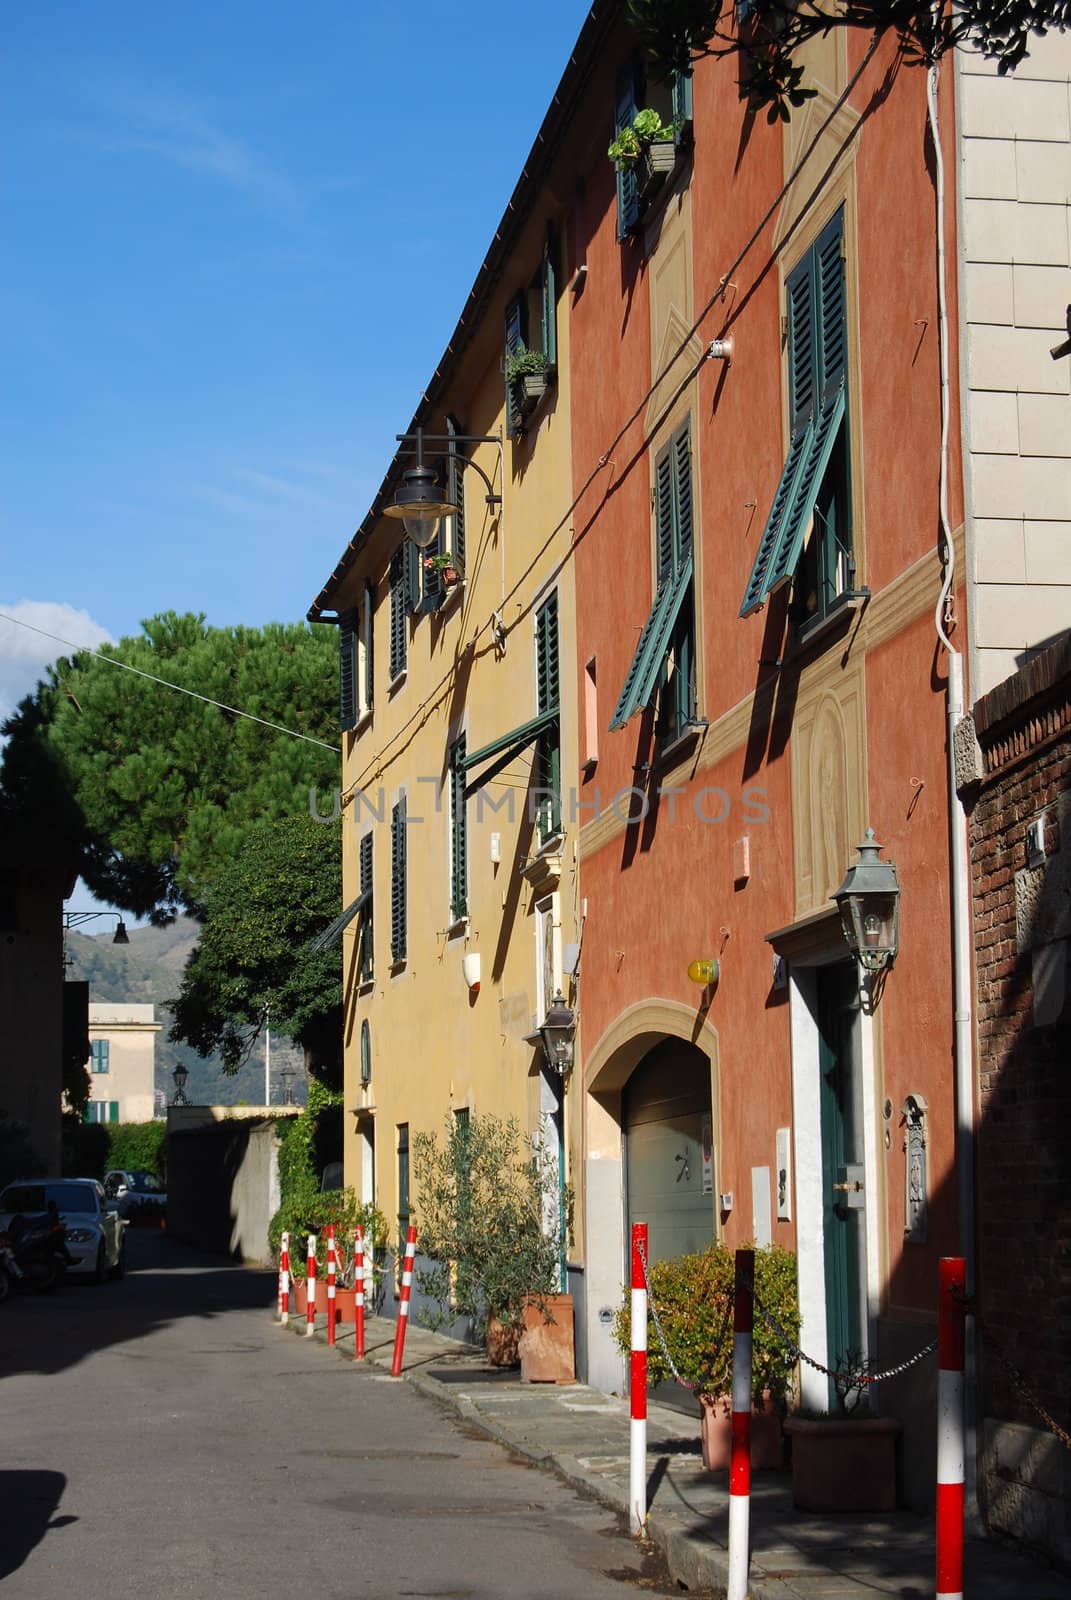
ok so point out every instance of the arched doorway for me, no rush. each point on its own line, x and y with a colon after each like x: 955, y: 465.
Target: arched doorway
x: 669, y: 1156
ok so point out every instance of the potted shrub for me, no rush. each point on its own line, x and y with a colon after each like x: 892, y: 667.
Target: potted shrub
x: 693, y: 1295
x: 444, y: 564
x: 649, y: 145
x: 312, y: 1212
x: 844, y: 1459
x: 527, y: 376
x: 493, y: 1222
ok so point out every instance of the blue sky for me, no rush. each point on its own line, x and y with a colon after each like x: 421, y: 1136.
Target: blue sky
x: 236, y: 239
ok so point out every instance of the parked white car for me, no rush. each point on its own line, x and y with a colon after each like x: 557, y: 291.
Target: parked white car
x: 95, y: 1229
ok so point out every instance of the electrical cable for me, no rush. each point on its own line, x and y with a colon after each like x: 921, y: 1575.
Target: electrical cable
x: 234, y: 711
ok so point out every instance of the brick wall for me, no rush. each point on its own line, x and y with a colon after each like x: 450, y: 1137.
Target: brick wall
x: 1022, y: 931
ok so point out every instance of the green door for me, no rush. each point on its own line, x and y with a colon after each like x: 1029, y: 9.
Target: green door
x: 843, y: 1215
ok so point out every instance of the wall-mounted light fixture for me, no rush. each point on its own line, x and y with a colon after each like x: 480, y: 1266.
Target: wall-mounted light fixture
x: 74, y: 919
x: 559, y: 1034
x: 470, y: 971
x: 869, y: 905
x: 421, y: 500
x: 706, y: 972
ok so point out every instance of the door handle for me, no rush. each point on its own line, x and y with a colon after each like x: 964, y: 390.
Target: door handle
x: 848, y: 1188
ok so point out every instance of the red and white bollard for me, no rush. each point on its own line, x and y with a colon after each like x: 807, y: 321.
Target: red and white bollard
x: 358, y: 1296
x: 284, y: 1279
x: 951, y: 1324
x: 740, y: 1460
x: 310, y: 1288
x: 332, y: 1275
x: 403, y: 1305
x: 637, y: 1459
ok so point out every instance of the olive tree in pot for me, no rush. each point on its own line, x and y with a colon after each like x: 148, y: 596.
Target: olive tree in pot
x: 693, y: 1296
x: 494, y: 1222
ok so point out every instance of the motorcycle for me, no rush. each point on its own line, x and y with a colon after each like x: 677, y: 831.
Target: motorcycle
x: 33, y: 1250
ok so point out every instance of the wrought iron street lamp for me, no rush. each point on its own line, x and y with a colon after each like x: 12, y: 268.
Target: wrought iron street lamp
x: 558, y: 1029
x: 869, y: 905
x: 74, y: 919
x: 421, y: 500
x: 180, y: 1075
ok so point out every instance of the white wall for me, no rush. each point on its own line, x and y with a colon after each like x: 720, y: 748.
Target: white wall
x: 131, y: 1035
x: 1014, y: 148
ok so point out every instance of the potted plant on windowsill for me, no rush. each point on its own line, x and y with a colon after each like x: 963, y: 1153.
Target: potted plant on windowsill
x: 493, y: 1223
x: 649, y: 145
x: 844, y: 1459
x: 693, y: 1296
x: 527, y: 375
x: 445, y: 565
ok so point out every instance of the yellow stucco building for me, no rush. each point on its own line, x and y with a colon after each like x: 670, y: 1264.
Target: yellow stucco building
x: 458, y: 690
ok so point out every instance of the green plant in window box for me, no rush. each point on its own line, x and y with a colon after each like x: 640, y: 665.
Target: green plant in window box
x: 527, y: 375
x: 647, y: 129
x: 445, y: 565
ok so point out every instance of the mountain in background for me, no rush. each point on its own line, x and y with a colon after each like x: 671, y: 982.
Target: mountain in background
x: 148, y: 970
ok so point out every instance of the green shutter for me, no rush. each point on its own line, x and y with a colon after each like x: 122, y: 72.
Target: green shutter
x: 366, y: 623
x: 643, y: 674
x: 398, y: 907
x: 413, y: 562
x: 434, y: 590
x: 347, y: 670
x: 681, y: 456
x: 798, y: 518
x: 456, y: 486
x: 758, y: 587
x: 832, y: 311
x: 113, y: 1111
x: 459, y: 843
x: 549, y: 302
x: 365, y: 953
x: 802, y: 345
x: 664, y: 518
x: 516, y: 334
x: 681, y: 86
x: 547, y: 685
x: 398, y: 611
x: 628, y: 182
x: 548, y: 745
x: 366, y: 1052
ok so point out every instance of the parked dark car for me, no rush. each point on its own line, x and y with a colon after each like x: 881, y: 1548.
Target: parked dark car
x: 138, y: 1196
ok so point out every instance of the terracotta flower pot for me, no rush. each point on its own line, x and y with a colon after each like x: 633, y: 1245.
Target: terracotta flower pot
x: 843, y: 1464
x: 502, y: 1341
x: 767, y: 1434
x: 344, y: 1301
x: 546, y: 1341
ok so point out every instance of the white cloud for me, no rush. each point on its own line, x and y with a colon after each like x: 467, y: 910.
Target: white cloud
x: 33, y: 633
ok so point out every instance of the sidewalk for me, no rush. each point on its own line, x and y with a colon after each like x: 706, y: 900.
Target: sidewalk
x: 584, y: 1436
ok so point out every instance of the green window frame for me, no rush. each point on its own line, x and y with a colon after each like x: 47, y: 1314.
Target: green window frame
x: 99, y: 1052
x: 516, y: 340
x: 365, y: 926
x: 398, y: 884
x: 808, y: 534
x: 366, y: 1053
x: 102, y: 1111
x: 459, y: 833
x: 398, y: 611
x: 665, y: 654
x: 404, y: 1206
x: 673, y: 102
x: 547, y: 765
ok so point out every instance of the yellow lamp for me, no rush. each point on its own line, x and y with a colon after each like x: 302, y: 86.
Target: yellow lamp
x: 705, y: 973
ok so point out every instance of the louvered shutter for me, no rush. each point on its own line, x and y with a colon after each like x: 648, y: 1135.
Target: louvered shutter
x: 347, y: 670
x: 459, y: 849
x: 549, y: 300
x: 664, y: 518
x: 547, y: 656
x: 681, y: 455
x: 434, y: 590
x: 369, y: 658
x: 413, y: 557
x: 456, y: 487
x: 516, y: 334
x: 364, y: 960
x: 758, y: 586
x: 397, y: 612
x: 802, y: 345
x: 628, y: 182
x: 830, y: 296
x: 548, y: 744
x: 681, y: 86
x: 398, y: 907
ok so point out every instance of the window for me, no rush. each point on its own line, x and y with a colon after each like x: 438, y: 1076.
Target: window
x: 102, y: 1111
x: 99, y: 1051
x: 459, y: 839
x: 366, y: 1053
x: 450, y: 539
x: 355, y: 662
x: 808, y: 535
x: 365, y: 924
x: 673, y: 102
x: 532, y: 339
x: 398, y: 610
x: 665, y: 654
x: 398, y: 909
x: 547, y: 769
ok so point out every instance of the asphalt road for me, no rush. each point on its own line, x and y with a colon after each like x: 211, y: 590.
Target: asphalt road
x: 163, y: 1437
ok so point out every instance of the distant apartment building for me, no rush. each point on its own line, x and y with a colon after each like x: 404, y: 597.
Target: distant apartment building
x: 122, y: 1062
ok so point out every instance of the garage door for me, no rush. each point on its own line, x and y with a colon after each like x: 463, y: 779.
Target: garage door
x: 669, y: 1160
